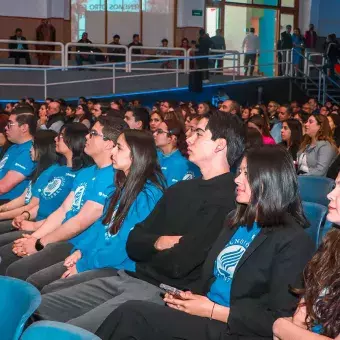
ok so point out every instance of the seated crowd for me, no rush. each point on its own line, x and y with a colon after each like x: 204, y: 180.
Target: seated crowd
x: 182, y: 221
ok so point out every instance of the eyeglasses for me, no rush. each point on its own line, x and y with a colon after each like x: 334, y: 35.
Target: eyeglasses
x: 10, y: 124
x: 160, y: 132
x: 94, y: 133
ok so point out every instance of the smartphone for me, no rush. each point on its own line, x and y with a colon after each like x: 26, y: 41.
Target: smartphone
x: 171, y: 290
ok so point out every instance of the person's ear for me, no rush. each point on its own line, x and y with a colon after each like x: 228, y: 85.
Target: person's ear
x: 221, y: 144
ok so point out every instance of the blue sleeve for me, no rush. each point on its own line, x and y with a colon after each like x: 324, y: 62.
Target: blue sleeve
x: 23, y: 164
x: 100, y: 191
x: 113, y: 254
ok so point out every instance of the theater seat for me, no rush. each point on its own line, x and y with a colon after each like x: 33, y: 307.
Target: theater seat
x: 315, y: 189
x: 316, y: 215
x: 19, y: 300
x: 52, y: 330
x: 324, y: 230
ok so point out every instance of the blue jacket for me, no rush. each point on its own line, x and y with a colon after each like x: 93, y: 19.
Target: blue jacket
x: 176, y: 167
x: 109, y: 251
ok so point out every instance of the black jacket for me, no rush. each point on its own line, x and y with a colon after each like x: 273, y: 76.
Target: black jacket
x: 14, y: 46
x: 260, y: 292
x: 195, y: 209
x: 286, y: 42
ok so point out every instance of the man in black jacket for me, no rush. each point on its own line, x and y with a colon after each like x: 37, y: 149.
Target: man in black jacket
x: 85, y: 57
x: 285, y: 43
x: 171, y: 245
x: 19, y: 46
x: 204, y: 45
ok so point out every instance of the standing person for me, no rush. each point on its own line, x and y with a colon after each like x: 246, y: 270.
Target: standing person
x: 286, y: 43
x: 332, y: 53
x: 310, y: 39
x: 298, y: 45
x: 251, y: 48
x: 19, y: 45
x: 165, y: 52
x: 85, y: 57
x: 218, y: 44
x: 16, y: 165
x: 244, y: 283
x: 204, y: 45
x: 45, y: 32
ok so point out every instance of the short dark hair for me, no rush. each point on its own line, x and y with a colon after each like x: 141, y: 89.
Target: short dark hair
x: 135, y: 36
x: 288, y: 26
x: 252, y: 30
x: 104, y: 106
x: 141, y: 114
x: 165, y: 40
x: 112, y: 127
x: 116, y: 36
x: 288, y: 107
x: 25, y: 115
x: 274, y: 189
x: 230, y: 128
x: 18, y: 30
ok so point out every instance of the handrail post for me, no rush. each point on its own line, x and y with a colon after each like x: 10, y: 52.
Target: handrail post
x: 177, y: 73
x: 62, y: 57
x: 113, y: 78
x: 45, y: 83
x: 66, y: 54
x: 233, y: 67
x: 319, y: 87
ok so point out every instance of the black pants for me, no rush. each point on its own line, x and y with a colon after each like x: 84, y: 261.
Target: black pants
x: 203, y: 64
x: 330, y: 64
x: 252, y: 59
x: 140, y: 320
x: 25, y: 56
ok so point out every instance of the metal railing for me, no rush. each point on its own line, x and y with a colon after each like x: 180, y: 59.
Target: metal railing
x: 61, y: 52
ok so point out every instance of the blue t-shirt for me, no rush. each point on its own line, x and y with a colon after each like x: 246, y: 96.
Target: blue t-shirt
x: 176, y: 167
x: 55, y: 190
x: 91, y: 184
x: 40, y: 183
x: 109, y: 251
x: 227, y: 262
x: 17, y: 158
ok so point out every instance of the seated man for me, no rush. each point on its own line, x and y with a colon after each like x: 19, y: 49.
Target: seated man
x: 80, y: 58
x: 171, y: 245
x: 82, y: 207
x: 16, y: 164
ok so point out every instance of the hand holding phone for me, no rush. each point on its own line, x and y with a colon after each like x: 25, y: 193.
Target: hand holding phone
x: 171, y: 290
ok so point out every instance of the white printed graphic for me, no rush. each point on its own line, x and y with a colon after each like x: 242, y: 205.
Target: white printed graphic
x: 228, y: 259
x: 53, y: 187
x: 78, y: 196
x: 3, y: 162
x: 189, y: 175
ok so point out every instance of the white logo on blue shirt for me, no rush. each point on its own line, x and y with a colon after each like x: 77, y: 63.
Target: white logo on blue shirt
x: 20, y: 166
x: 28, y: 195
x: 78, y: 196
x: 189, y: 175
x: 52, y: 188
x: 3, y: 161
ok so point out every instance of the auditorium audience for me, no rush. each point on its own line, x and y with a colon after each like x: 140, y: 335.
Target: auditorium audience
x: 69, y: 144
x: 243, y: 288
x: 54, y: 119
x: 284, y: 112
x: 99, y: 109
x: 156, y: 119
x: 259, y: 123
x: 137, y: 118
x: 70, y: 113
x: 83, y: 115
x: 318, y: 150
x: 166, y: 249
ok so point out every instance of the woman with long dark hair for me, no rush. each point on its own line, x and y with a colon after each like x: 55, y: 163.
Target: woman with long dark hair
x: 291, y: 134
x: 139, y: 184
x: 319, y: 309
x: 83, y: 115
x: 317, y: 150
x: 244, y: 283
x: 64, y: 153
x: 172, y: 152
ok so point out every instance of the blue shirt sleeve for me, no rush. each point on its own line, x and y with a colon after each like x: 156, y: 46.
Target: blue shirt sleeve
x: 23, y: 164
x: 112, y: 252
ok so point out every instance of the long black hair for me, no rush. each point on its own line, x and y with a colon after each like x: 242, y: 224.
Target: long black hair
x: 274, y: 189
x: 144, y: 168
x: 45, y: 153
x: 74, y: 138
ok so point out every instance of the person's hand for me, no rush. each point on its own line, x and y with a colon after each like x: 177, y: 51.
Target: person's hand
x: 16, y: 223
x: 70, y: 272
x: 166, y: 242
x: 28, y: 226
x: 25, y: 246
x: 191, y: 303
x: 72, y: 259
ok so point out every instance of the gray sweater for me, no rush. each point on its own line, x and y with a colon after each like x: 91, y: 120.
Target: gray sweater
x: 319, y: 158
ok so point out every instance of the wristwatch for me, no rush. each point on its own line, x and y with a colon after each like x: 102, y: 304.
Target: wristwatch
x: 38, y: 245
